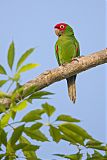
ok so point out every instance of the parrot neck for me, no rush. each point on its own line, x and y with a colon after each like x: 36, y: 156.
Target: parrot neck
x: 67, y: 34
x: 68, y: 31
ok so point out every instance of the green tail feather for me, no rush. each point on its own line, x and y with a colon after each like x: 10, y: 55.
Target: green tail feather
x: 72, y: 88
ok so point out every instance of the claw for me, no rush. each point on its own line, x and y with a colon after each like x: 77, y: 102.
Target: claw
x: 76, y: 58
x: 64, y: 64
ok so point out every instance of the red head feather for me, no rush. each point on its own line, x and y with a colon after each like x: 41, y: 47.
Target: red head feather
x: 61, y: 26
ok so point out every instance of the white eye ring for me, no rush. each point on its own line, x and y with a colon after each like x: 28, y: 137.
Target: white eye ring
x: 61, y: 26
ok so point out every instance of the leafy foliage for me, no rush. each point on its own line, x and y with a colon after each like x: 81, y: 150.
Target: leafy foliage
x: 3, y: 137
x: 2, y: 70
x: 24, y: 57
x: 77, y: 156
x: 33, y: 115
x: 30, y: 154
x: 49, y: 110
x: 55, y: 133
x: 2, y: 82
x: 36, y: 134
x: 66, y: 118
x: 11, y: 54
x: 27, y: 133
x: 16, y: 134
x: 20, y: 68
x: 40, y: 95
x: 26, y: 68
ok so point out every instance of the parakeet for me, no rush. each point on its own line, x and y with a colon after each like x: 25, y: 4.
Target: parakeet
x: 66, y: 49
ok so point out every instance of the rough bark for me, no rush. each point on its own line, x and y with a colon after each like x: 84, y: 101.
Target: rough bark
x: 62, y: 72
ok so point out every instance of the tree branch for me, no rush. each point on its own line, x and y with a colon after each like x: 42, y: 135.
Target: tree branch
x: 62, y: 72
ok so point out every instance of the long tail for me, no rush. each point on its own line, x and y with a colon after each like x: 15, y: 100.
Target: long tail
x: 72, y: 88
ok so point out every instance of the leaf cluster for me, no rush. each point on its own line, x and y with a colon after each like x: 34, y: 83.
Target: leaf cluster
x: 19, y: 68
x: 27, y: 134
x: 30, y: 128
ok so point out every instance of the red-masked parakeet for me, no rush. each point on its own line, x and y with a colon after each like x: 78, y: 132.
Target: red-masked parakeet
x: 66, y: 49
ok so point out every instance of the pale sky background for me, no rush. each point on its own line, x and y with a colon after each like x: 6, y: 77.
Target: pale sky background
x: 30, y: 23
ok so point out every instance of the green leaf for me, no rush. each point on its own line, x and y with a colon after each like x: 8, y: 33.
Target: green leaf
x: 3, y: 137
x: 13, y: 114
x: 3, y: 94
x: 35, y: 134
x: 36, y: 126
x: 2, y: 82
x: 2, y: 108
x: 29, y: 91
x: 10, y: 153
x: 78, y: 130
x: 97, y: 156
x: 105, y: 152
x: 103, y: 148
x: 27, y: 67
x: 16, y: 134
x: 2, y: 70
x: 69, y: 139
x: 16, y: 77
x: 39, y: 95
x: 93, y: 142
x: 49, y: 110
x: 26, y: 147
x: 66, y: 118
x: 33, y: 115
x: 30, y: 155
x: 30, y: 148
x: 19, y: 146
x: 11, y: 54
x: 105, y: 156
x: 20, y: 106
x: 55, y: 133
x: 2, y: 155
x: 88, y: 156
x: 60, y: 155
x: 4, y: 120
x: 18, y: 92
x: 76, y: 156
x: 68, y: 132
x: 24, y: 57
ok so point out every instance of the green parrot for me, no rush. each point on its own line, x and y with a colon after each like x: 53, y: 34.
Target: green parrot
x: 66, y: 49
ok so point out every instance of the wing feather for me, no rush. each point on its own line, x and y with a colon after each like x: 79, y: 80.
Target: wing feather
x: 57, y: 50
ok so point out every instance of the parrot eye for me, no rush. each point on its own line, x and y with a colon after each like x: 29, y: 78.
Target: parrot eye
x: 61, y: 26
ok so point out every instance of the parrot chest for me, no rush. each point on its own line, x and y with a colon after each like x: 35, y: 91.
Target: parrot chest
x: 65, y: 50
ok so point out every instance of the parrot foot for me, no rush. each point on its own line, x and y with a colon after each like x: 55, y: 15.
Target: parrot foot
x: 76, y: 58
x: 64, y: 64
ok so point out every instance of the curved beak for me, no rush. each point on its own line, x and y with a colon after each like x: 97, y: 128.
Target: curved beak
x: 57, y: 31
